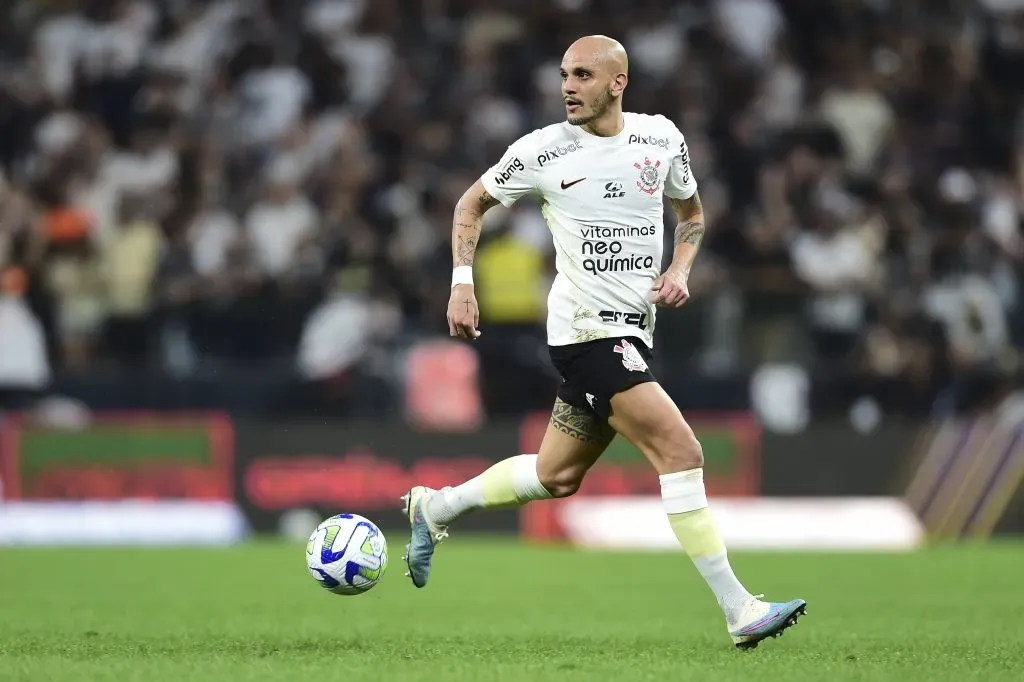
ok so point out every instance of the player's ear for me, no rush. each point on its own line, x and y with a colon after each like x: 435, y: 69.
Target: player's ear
x: 619, y: 83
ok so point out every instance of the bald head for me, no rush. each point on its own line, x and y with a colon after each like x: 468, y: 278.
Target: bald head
x: 594, y: 74
x: 600, y: 51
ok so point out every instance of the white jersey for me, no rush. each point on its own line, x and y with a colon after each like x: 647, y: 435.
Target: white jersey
x: 602, y: 200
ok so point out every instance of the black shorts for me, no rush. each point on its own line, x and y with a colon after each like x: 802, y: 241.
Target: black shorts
x: 594, y: 371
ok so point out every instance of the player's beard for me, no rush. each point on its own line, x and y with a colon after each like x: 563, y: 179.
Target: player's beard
x: 598, y: 108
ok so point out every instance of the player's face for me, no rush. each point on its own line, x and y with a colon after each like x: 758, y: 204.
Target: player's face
x: 586, y: 90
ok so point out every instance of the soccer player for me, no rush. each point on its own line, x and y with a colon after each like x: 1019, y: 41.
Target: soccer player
x: 600, y: 177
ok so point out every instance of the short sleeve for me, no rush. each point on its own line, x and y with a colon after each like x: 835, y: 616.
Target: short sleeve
x: 514, y: 175
x: 680, y: 183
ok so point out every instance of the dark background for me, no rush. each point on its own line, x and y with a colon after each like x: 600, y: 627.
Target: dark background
x: 246, y: 207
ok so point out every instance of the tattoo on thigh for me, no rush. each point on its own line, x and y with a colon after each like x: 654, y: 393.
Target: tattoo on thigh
x: 578, y: 423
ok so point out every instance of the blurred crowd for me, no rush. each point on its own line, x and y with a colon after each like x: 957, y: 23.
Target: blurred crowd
x: 201, y: 183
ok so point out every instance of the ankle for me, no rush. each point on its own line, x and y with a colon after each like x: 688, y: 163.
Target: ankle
x: 438, y: 509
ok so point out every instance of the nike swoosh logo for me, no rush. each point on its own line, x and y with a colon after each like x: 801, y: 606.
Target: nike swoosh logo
x: 567, y: 185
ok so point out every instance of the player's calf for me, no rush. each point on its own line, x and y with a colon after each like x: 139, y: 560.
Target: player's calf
x: 510, y: 482
x: 574, y: 440
x: 647, y: 417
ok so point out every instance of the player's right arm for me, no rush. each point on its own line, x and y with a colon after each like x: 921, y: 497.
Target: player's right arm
x: 504, y: 183
x: 463, y: 312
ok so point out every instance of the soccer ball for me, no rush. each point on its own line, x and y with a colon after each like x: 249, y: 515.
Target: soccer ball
x: 347, y: 554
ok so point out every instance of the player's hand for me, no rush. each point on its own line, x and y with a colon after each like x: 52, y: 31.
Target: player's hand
x: 670, y: 289
x: 463, y: 313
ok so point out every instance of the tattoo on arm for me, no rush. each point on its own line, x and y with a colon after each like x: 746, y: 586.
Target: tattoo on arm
x: 466, y: 227
x: 690, y: 228
x: 690, y: 232
x: 486, y: 201
x: 465, y: 249
x: 580, y: 424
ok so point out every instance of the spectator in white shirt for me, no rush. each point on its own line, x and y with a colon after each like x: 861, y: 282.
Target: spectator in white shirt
x: 278, y: 225
x: 24, y: 367
x: 841, y: 264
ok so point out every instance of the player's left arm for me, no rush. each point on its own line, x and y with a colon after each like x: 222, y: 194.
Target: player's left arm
x: 671, y: 288
x: 689, y: 232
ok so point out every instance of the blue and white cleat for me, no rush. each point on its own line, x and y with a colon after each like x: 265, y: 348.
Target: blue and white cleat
x: 425, y: 535
x: 761, y: 620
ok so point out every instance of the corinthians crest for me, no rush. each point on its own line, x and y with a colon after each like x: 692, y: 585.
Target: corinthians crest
x: 648, y: 182
x: 631, y: 358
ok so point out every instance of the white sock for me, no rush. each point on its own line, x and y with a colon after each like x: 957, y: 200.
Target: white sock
x: 509, y: 483
x: 687, y: 507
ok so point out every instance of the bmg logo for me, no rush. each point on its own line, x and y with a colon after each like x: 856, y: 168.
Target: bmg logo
x: 510, y: 169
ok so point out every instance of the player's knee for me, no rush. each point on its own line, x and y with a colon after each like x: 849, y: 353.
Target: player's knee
x: 681, y: 451
x: 562, y: 482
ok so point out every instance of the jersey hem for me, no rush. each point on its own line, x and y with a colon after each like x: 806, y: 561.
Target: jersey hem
x: 611, y: 333
x: 674, y: 195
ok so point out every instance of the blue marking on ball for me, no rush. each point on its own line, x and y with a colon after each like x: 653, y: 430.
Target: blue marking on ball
x: 329, y: 557
x: 351, y: 571
x: 326, y: 581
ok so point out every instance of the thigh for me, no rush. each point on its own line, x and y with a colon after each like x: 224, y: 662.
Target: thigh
x: 647, y: 417
x: 574, y: 440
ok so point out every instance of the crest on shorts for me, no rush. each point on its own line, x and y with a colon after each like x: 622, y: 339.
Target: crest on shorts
x: 631, y: 358
x: 649, y: 175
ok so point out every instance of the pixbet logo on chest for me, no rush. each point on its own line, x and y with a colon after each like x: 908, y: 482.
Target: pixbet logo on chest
x: 557, y: 151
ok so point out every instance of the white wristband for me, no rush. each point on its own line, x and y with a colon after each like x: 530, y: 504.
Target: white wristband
x: 462, y: 275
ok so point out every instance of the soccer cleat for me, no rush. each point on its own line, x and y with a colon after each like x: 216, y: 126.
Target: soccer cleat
x: 764, y: 620
x: 425, y: 535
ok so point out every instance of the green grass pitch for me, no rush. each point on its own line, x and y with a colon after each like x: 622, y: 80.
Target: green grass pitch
x: 501, y: 611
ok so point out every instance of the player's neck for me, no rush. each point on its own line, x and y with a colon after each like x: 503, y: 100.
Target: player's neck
x: 608, y: 125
